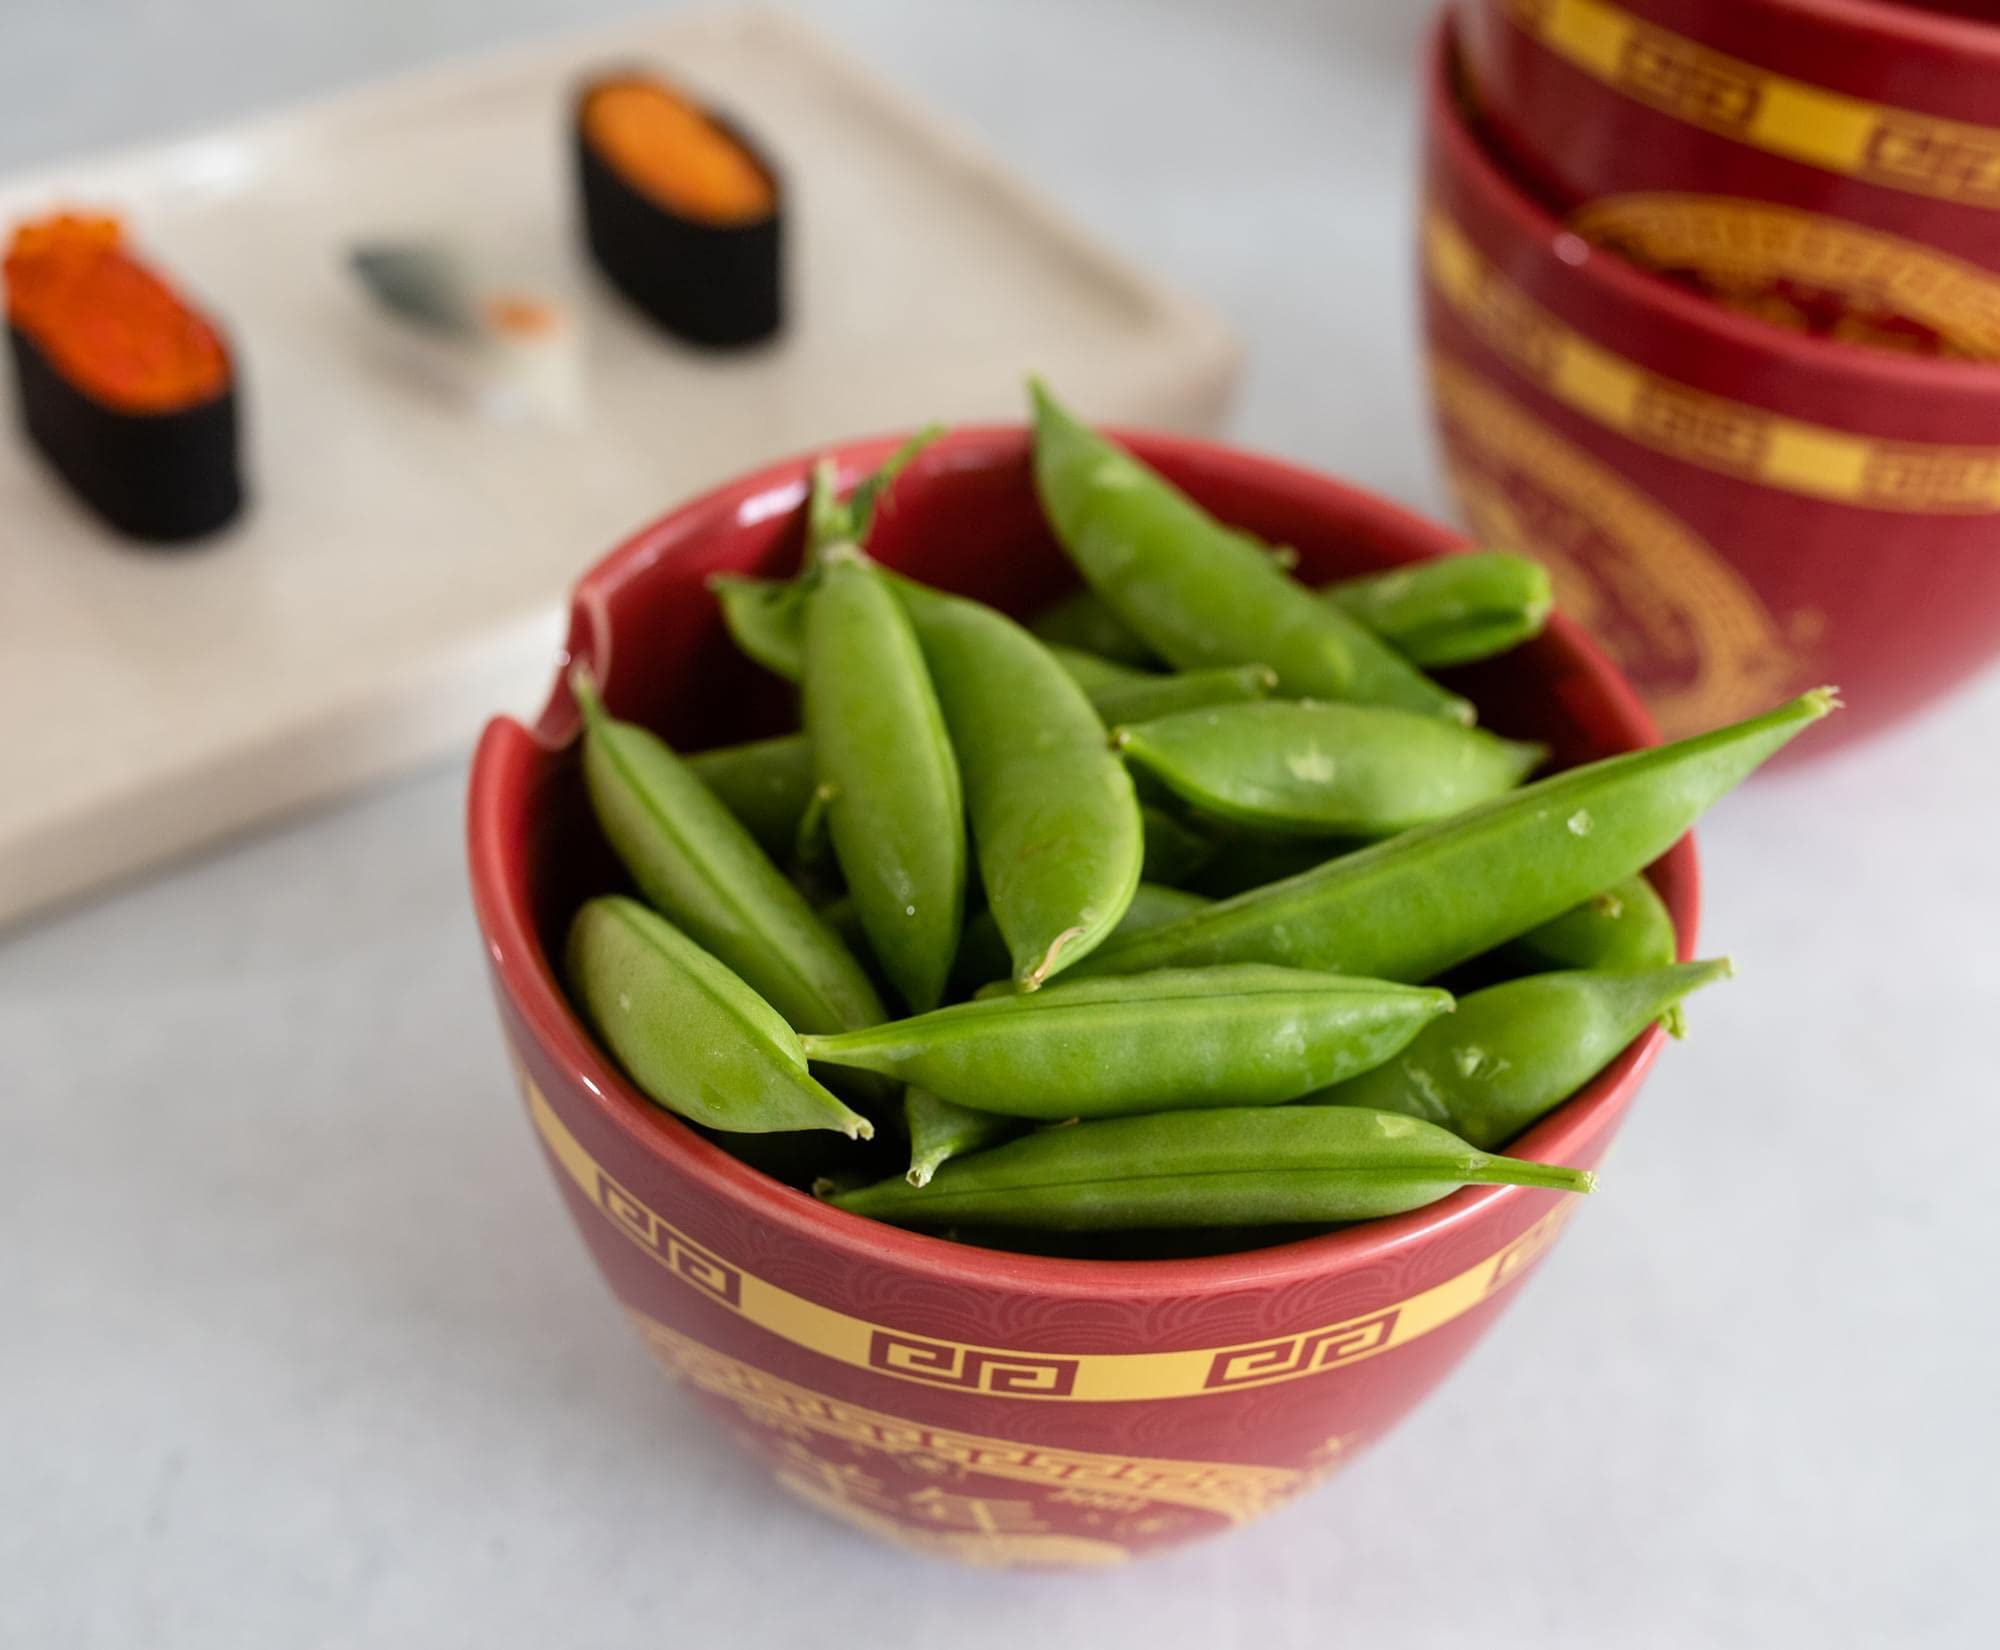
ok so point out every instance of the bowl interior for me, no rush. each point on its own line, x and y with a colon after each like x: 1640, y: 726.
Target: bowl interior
x: 963, y: 517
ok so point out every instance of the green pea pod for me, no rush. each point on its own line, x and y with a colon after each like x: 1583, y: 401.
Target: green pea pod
x: 697, y: 865
x: 812, y: 842
x: 767, y: 619
x: 1514, y: 1052
x: 940, y: 1131
x: 693, y: 1037
x: 1054, y: 817
x: 1250, y: 859
x: 1452, y: 610
x: 1243, y: 1036
x: 1200, y: 593
x: 1093, y: 674
x: 982, y: 955
x: 1625, y: 926
x: 1266, y: 1165
x: 769, y: 786
x: 1082, y: 621
x: 766, y: 784
x: 839, y: 914
x: 895, y: 810
x: 1326, y: 769
x: 1151, y: 697
x: 1411, y: 907
x: 1175, y: 851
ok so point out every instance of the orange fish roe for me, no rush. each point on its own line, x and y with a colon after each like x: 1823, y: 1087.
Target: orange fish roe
x: 674, y: 154
x: 106, y: 323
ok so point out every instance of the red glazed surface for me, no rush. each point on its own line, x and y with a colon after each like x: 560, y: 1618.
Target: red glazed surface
x: 1872, y: 130
x: 1737, y: 511
x: 998, y: 1408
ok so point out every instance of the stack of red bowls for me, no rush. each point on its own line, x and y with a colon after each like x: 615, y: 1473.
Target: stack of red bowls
x: 1712, y: 299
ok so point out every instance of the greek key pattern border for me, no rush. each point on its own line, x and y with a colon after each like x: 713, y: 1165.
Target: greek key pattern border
x: 1239, y: 1492
x: 1902, y: 149
x: 1710, y: 431
x: 1002, y: 1372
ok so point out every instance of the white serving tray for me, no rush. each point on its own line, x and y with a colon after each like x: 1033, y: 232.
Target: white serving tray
x: 400, y: 572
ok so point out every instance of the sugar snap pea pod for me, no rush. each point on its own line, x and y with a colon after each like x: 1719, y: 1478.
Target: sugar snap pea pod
x: 1198, y: 592
x: 1413, y: 906
x: 1093, y: 674
x: 1083, y: 622
x: 939, y: 1131
x: 1243, y: 860
x: 895, y: 810
x: 1514, y: 1052
x: 1234, y: 1167
x: 1248, y: 1035
x: 982, y: 955
x: 839, y: 914
x: 1452, y: 610
x: 697, y: 865
x: 1186, y: 690
x: 766, y: 618
x: 766, y: 784
x: 1319, y: 769
x: 693, y: 1037
x: 1174, y: 851
x: 1055, y: 820
x: 812, y: 842
x: 1625, y: 926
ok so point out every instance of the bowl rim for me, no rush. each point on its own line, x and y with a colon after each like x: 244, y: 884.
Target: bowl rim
x: 1460, y: 151
x: 525, y: 976
x: 1903, y: 20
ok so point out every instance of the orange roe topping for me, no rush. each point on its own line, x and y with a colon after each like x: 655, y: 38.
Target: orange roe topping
x: 105, y: 322
x: 674, y: 154
x: 521, y: 316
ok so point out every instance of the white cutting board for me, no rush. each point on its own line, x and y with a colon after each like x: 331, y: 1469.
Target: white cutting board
x: 400, y: 571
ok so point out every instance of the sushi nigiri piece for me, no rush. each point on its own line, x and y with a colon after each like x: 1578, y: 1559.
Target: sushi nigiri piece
x: 126, y: 388
x: 512, y: 354
x: 682, y: 211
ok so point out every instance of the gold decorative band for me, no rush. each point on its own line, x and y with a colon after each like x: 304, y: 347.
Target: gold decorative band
x: 1236, y: 1491
x: 1746, y: 251
x: 1002, y: 1372
x: 1692, y: 425
x: 1896, y: 148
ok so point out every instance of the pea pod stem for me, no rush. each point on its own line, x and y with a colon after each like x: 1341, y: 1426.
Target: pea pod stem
x: 940, y: 1131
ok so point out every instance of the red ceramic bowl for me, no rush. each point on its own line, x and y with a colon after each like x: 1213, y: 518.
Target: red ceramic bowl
x: 1831, y: 164
x: 1736, y: 511
x: 997, y: 1408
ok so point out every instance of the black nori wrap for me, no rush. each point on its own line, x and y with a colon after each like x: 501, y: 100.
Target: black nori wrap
x: 160, y: 476
x: 716, y: 284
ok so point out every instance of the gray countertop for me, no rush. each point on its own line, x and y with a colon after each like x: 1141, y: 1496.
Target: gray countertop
x: 297, y: 1348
